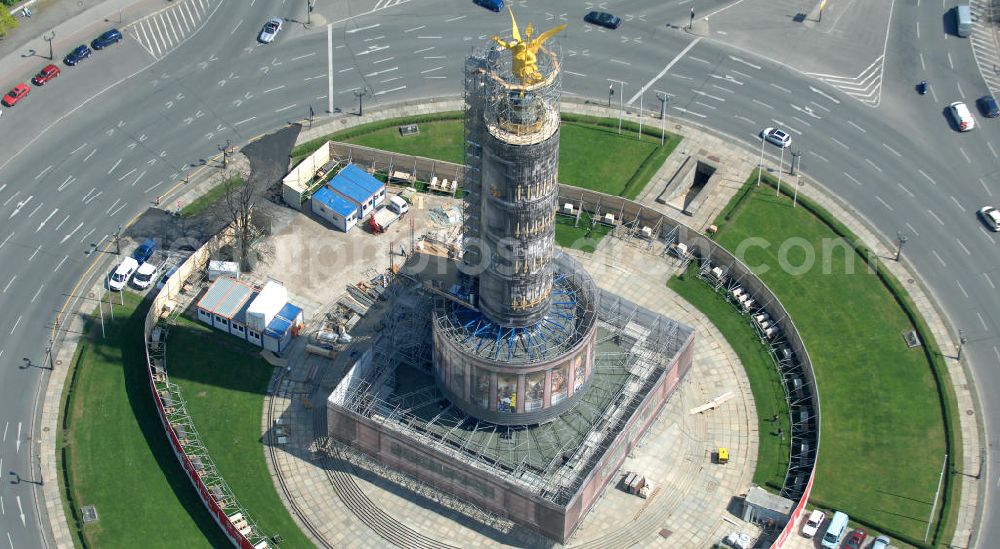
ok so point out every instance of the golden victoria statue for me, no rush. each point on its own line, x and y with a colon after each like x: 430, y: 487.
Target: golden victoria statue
x: 525, y: 50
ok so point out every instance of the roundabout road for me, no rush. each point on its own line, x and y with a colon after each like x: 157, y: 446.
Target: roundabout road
x: 101, y: 143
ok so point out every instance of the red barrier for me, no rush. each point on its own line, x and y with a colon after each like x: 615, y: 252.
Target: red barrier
x: 793, y: 519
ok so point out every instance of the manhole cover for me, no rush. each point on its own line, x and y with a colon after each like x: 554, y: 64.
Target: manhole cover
x: 664, y: 533
x: 91, y: 294
x: 969, y: 412
x: 909, y: 281
x: 45, y: 429
x: 89, y: 513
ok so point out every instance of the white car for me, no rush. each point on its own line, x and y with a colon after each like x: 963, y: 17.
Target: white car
x: 881, y: 542
x: 962, y: 115
x: 777, y: 137
x: 144, y: 275
x: 813, y: 523
x: 270, y: 30
x: 991, y: 217
x: 122, y: 273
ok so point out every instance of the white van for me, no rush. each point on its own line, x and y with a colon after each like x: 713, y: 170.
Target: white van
x: 398, y: 205
x: 962, y: 115
x: 835, y: 531
x: 963, y: 20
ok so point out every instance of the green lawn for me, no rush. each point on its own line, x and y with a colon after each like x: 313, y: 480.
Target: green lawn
x: 208, y: 199
x: 118, y: 455
x: 223, y: 381
x: 765, y: 383
x: 579, y: 236
x: 883, y: 436
x: 593, y: 155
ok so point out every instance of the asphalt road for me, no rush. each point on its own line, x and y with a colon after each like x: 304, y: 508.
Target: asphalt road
x: 100, y: 143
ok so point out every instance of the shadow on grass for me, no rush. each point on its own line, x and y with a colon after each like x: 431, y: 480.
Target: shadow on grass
x: 126, y: 333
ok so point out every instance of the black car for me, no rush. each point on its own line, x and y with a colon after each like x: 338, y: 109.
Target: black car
x: 80, y: 53
x: 110, y: 37
x: 603, y: 19
x: 988, y: 106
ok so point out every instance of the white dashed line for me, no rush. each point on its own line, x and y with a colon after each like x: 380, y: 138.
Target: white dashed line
x: 274, y: 89
x: 892, y: 150
x: 989, y: 280
x: 874, y: 165
x: 905, y: 190
x: 859, y: 128
x: 957, y: 203
x: 763, y: 104
x: 982, y: 322
x: 285, y: 108
x: 987, y: 189
x: 966, y: 156
x: 936, y: 218
x: 818, y: 156
x: 927, y: 176
x: 786, y: 90
x: 962, y: 289
x: 851, y: 177
x: 835, y: 140
x: 938, y: 256
x: 884, y: 203
x: 962, y: 245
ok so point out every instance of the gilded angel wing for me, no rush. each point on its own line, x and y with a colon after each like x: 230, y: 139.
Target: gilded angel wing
x: 517, y: 34
x: 546, y: 35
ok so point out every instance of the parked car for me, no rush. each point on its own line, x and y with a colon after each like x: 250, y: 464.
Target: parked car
x: 144, y: 251
x: 78, y: 54
x: 144, y: 275
x: 856, y: 539
x: 988, y: 106
x: 991, y: 217
x: 962, y: 115
x: 492, y: 5
x: 13, y: 96
x: 603, y: 19
x: 881, y: 542
x: 110, y: 37
x: 166, y: 276
x: 813, y: 523
x: 777, y: 137
x: 122, y: 273
x: 46, y: 74
x: 270, y: 31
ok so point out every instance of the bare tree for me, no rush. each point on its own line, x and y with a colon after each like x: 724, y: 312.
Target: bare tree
x: 249, y: 224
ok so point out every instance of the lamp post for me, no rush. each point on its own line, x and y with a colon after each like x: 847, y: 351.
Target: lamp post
x: 225, y: 154
x: 360, y: 95
x: 118, y: 241
x: 310, y: 5
x: 962, y: 340
x: 781, y: 168
x: 611, y: 93
x: 49, y: 38
x: 901, y: 239
x: 663, y: 115
x: 760, y: 165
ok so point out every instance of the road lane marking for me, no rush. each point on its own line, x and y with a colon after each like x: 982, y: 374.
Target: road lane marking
x: 78, y: 149
x: 676, y: 58
x: 34, y: 253
x: 67, y: 237
x: 232, y: 32
x: 961, y: 245
x: 905, y: 190
x: 922, y: 66
x: 927, y: 176
x: 84, y: 239
x: 16, y: 324
x: 56, y: 270
x: 7, y: 287
x: 961, y: 92
x: 983, y: 322
x: 700, y: 60
x: 951, y: 65
x: 359, y: 29
x: 140, y: 176
x: 983, y: 183
x: 692, y: 113
x: 382, y: 60
x: 763, y: 104
x: 46, y: 220
x: 37, y: 293
x: 415, y: 28
x: 851, y: 177
x: 244, y: 121
x: 955, y: 200
x: 43, y: 172
x: 892, y: 150
x: 967, y: 159
x: 36, y: 209
x: 718, y: 87
x: 874, y: 165
x: 69, y: 181
x: 274, y: 89
x: 989, y: 281
x: 859, y: 128
x: 943, y: 264
x: 992, y: 151
x: 786, y: 90
x: 912, y: 230
x: 962, y: 289
x: 747, y: 63
x: 620, y: 62
x: 310, y: 54
x: 884, y: 203
x: 115, y: 166
x: 835, y: 140
x: 130, y: 172
x: 824, y: 94
x: 710, y: 96
x: 706, y: 105
x: 818, y: 156
x: 936, y: 218
x: 803, y: 122
x: 285, y: 108
x: 86, y: 158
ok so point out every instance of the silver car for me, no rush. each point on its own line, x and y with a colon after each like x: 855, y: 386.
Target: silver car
x: 777, y: 137
x: 991, y: 217
x: 270, y: 30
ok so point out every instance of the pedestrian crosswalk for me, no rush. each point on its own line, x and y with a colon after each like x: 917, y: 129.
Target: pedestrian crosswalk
x: 166, y: 29
x: 866, y: 87
x: 383, y: 4
x: 984, y: 44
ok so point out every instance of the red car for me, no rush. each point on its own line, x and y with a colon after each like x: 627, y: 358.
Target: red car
x: 856, y: 539
x: 15, y: 95
x: 46, y: 74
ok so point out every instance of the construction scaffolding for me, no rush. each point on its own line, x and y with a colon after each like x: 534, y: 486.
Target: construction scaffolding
x: 395, y: 389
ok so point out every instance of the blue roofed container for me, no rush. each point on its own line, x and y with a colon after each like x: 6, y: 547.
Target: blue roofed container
x: 357, y: 186
x: 282, y: 328
x: 340, y: 212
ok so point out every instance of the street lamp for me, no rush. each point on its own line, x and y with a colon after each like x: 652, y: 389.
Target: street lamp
x: 118, y: 241
x: 901, y: 238
x: 962, y: 340
x: 663, y: 115
x: 781, y: 168
x: 760, y: 165
x: 360, y: 95
x: 611, y: 93
x: 49, y: 39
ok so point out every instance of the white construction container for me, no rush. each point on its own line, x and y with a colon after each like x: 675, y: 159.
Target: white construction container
x: 262, y: 310
x: 217, y: 268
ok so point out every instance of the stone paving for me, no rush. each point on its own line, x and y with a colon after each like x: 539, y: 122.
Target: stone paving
x: 676, y: 454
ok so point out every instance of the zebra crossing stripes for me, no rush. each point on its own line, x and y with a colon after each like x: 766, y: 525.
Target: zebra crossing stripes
x: 383, y: 4
x: 159, y: 33
x: 985, y: 49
